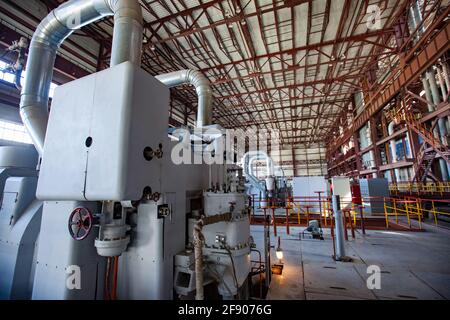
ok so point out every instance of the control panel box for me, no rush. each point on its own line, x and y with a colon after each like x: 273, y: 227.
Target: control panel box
x: 106, y: 136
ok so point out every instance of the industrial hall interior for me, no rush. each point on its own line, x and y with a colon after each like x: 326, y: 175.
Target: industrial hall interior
x: 217, y: 150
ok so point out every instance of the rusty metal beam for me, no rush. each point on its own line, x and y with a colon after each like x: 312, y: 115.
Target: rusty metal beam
x: 400, y: 78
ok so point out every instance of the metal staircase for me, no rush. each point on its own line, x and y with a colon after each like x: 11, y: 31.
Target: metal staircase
x: 424, y: 162
x: 427, y: 136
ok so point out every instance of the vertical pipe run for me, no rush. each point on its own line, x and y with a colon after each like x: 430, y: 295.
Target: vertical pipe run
x: 107, y: 293
x: 198, y: 257
x: 393, y: 149
x: 441, y: 82
x: 115, y: 273
x: 267, y: 250
x: 444, y: 90
x: 446, y: 74
x: 320, y: 206
x: 340, y: 248
x: 445, y: 167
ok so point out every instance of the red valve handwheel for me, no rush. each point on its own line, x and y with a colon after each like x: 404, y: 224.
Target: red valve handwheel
x: 80, y: 223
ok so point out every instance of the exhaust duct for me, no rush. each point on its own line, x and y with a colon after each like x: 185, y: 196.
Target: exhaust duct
x: 202, y: 87
x: 51, y: 33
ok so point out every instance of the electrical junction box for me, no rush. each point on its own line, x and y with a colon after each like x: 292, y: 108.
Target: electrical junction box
x: 104, y: 137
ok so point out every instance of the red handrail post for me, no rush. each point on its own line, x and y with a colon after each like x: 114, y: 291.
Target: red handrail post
x: 274, y: 222
x: 363, y: 228
x: 287, y: 221
x: 344, y: 218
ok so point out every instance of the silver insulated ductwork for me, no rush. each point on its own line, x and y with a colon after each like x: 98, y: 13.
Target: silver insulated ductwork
x: 51, y: 33
x: 202, y: 86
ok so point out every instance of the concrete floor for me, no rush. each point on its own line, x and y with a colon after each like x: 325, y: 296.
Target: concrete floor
x: 414, y: 265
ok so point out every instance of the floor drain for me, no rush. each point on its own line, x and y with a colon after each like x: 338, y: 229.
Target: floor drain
x: 327, y: 267
x: 385, y: 272
x: 406, y: 297
x: 338, y: 288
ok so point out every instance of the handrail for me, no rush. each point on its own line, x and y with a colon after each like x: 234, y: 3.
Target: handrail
x: 298, y: 210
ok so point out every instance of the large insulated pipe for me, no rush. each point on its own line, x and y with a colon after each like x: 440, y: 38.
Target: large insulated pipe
x: 445, y: 167
x: 416, y: 18
x: 393, y: 148
x: 198, y: 257
x: 446, y: 74
x: 202, y: 87
x: 444, y: 91
x: 441, y: 81
x: 51, y: 33
x: 431, y: 108
x: 429, y: 98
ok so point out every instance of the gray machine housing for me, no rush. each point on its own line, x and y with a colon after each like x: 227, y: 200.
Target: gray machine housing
x: 125, y: 111
x: 20, y: 220
x: 105, y: 137
x: 373, y: 193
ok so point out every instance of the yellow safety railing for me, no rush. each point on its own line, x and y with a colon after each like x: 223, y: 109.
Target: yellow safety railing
x: 402, y: 207
x: 301, y: 210
x: 433, y: 188
x: 411, y: 208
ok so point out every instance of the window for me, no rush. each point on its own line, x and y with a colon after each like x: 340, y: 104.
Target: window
x: 9, y: 77
x: 14, y: 132
x: 5, y: 76
x: 11, y: 131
